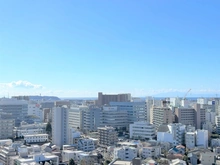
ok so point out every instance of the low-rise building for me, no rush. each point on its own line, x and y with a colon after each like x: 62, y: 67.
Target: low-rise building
x: 207, y: 158
x: 86, y: 144
x: 202, y: 138
x: 190, y: 140
x: 151, y: 151
x: 125, y: 153
x: 142, y: 130
x: 37, y: 138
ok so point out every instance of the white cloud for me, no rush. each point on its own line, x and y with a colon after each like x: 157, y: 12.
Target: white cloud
x: 21, y: 84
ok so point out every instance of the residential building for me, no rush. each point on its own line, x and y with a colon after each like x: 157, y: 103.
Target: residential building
x: 91, y: 118
x: 136, y: 111
x: 210, y: 116
x: 190, y: 140
x: 76, y: 116
x: 173, y: 133
x: 86, y: 144
x: 178, y: 132
x: 149, y: 105
x: 60, y: 125
x: 150, y: 151
x: 35, y: 110
x: 202, y: 138
x: 17, y: 108
x: 208, y: 158
x: 112, y: 116
x: 36, y: 138
x: 142, y: 130
x: 107, y: 98
x: 125, y: 153
x: 107, y: 136
x: 161, y: 115
x: 217, y: 123
x: 6, y: 127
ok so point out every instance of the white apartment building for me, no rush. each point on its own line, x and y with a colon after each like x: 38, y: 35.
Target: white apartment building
x: 151, y: 151
x: 190, y: 140
x: 6, y: 128
x: 202, y: 138
x: 107, y: 136
x: 76, y: 116
x: 149, y: 105
x: 17, y: 108
x: 86, y: 145
x: 178, y: 132
x: 36, y: 138
x: 210, y: 117
x: 142, y: 130
x: 60, y: 126
x: 35, y: 110
x: 74, y: 136
x: 217, y: 123
x: 173, y: 133
x: 125, y: 153
x: 5, y: 153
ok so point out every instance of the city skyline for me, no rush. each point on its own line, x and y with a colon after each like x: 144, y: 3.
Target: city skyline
x: 75, y: 49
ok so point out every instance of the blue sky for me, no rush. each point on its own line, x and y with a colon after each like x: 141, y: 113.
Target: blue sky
x: 77, y: 48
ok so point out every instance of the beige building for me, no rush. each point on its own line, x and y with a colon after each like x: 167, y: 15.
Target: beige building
x: 161, y: 115
x: 107, y: 136
x: 107, y: 98
x: 190, y: 116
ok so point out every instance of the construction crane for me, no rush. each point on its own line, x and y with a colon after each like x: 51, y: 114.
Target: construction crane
x: 186, y: 94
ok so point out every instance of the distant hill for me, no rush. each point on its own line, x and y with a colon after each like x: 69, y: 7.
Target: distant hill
x: 44, y: 98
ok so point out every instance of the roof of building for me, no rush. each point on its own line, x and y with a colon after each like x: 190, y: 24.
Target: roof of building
x: 163, y: 128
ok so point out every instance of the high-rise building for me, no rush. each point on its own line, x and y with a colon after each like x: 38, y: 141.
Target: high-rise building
x: 91, y: 118
x: 112, y: 116
x: 17, y: 108
x: 6, y: 127
x: 190, y: 116
x: 149, y: 105
x: 60, y: 126
x: 107, y: 98
x: 76, y: 116
x: 161, y: 115
x: 136, y: 111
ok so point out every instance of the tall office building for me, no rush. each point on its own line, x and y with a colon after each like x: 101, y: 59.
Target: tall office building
x: 161, y: 115
x: 136, y: 111
x: 60, y: 126
x: 114, y: 117
x: 107, y: 98
x: 190, y: 116
x: 17, y: 108
x: 76, y: 116
x: 149, y: 105
x: 91, y: 118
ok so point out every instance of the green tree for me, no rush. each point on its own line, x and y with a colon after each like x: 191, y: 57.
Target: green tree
x: 48, y: 128
x: 71, y: 162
